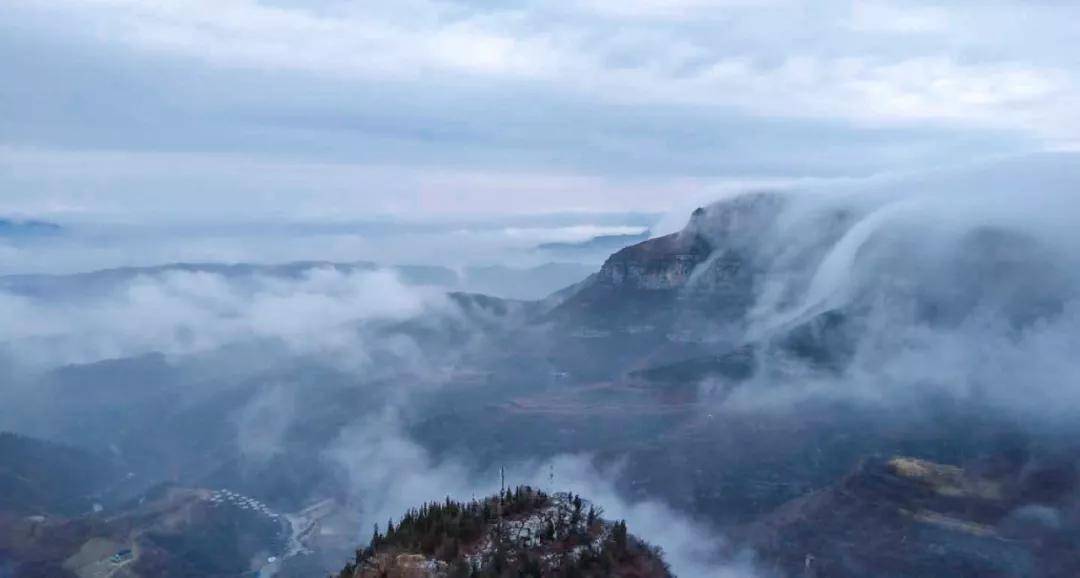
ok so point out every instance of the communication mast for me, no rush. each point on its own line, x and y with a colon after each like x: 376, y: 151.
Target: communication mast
x: 499, y: 507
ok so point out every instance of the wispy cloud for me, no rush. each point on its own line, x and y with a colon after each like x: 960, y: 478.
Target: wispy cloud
x: 845, y: 74
x: 179, y: 313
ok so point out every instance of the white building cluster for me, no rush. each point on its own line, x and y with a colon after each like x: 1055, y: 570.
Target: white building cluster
x: 228, y: 497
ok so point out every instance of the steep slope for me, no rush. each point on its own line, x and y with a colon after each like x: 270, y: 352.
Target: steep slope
x: 687, y: 296
x: 171, y: 532
x: 523, y: 532
x: 707, y: 267
x: 807, y: 279
x: 910, y: 517
x: 42, y: 478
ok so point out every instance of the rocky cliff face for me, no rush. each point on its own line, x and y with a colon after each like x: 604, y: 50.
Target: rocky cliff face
x: 707, y: 269
x: 673, y: 297
x: 808, y: 277
x: 663, y: 263
x: 715, y: 239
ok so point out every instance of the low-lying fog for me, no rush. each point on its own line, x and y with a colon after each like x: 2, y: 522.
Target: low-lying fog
x: 315, y: 381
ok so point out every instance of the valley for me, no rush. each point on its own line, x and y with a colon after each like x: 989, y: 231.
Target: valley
x: 661, y: 371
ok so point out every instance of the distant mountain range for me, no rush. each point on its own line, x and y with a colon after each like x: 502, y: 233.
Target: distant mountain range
x: 28, y: 228
x: 598, y: 244
x: 497, y: 280
x: 755, y: 370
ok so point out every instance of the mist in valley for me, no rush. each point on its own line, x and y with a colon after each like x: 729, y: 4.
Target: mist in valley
x: 449, y: 289
x: 930, y: 316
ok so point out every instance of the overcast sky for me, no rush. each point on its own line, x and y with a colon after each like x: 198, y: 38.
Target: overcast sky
x: 236, y: 110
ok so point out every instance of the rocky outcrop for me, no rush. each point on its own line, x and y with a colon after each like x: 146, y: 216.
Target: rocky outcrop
x: 716, y: 236
x: 710, y: 264
x: 670, y: 298
x: 663, y: 263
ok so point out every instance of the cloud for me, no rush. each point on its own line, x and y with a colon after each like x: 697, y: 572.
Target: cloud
x: 351, y: 40
x: 891, y: 17
x: 569, y: 234
x: 527, y: 43
x: 291, y: 107
x: 387, y: 473
x: 506, y: 240
x: 691, y: 548
x: 180, y: 313
x: 263, y: 423
x: 957, y: 283
x: 671, y: 9
x: 112, y: 186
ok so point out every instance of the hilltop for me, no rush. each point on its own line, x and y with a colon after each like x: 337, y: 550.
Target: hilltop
x: 520, y: 532
x: 904, y: 516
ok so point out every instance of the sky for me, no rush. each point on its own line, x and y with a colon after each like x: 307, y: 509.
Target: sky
x: 161, y: 111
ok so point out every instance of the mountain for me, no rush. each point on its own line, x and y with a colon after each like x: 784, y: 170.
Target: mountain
x: 523, y: 283
x: 638, y: 282
x: 521, y: 532
x: 668, y: 299
x: 740, y: 367
x: 911, y: 517
x: 13, y: 228
x: 43, y: 478
x: 174, y: 532
x: 746, y: 372
x: 599, y: 246
x: 801, y: 279
x: 713, y: 260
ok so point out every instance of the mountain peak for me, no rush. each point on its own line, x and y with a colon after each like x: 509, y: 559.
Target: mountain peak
x: 668, y: 262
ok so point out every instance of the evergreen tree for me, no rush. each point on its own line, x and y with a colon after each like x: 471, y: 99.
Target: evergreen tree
x: 375, y: 538
x: 619, y: 536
